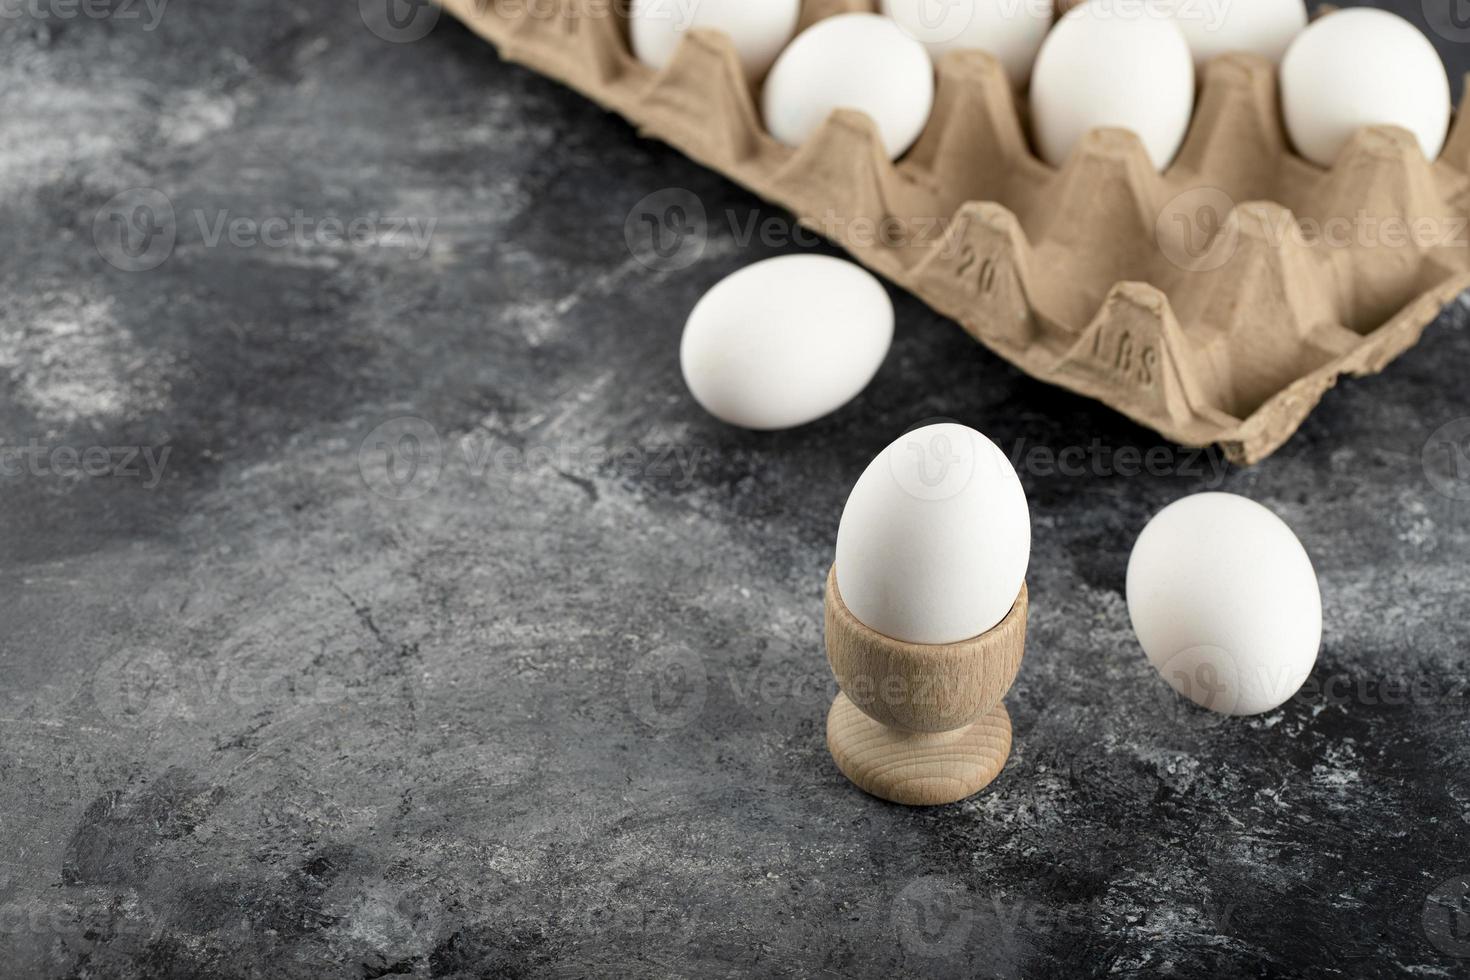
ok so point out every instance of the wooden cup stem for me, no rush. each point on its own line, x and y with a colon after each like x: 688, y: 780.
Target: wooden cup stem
x: 920, y: 724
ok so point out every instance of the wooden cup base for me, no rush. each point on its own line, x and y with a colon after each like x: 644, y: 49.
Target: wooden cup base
x: 917, y: 769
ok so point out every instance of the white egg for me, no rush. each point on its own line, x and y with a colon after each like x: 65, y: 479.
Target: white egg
x: 1123, y: 67
x: 1225, y: 603
x: 759, y: 29
x: 786, y: 341
x: 1011, y: 30
x: 851, y: 61
x: 935, y: 537
x: 1362, y: 67
x: 1263, y: 27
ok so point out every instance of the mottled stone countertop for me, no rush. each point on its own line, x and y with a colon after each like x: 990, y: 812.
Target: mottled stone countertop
x: 552, y: 703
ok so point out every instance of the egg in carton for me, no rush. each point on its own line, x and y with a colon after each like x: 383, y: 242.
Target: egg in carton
x: 1205, y: 302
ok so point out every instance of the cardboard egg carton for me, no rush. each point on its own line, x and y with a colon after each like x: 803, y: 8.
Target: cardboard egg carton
x: 1215, y: 303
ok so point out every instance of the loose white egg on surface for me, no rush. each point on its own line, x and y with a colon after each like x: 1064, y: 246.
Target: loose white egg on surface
x: 1011, y: 30
x: 851, y: 61
x: 935, y: 537
x: 1119, y: 67
x: 1225, y: 603
x: 1263, y: 27
x: 1362, y: 67
x: 759, y: 29
x: 785, y: 341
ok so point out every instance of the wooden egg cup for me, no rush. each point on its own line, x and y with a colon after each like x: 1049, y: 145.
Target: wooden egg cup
x: 920, y: 724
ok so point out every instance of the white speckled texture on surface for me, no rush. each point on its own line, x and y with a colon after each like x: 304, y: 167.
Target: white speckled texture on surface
x: 552, y: 703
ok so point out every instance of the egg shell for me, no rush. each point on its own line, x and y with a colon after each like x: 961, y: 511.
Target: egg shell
x: 1362, y: 67
x: 1263, y: 27
x: 1225, y: 603
x: 851, y: 61
x: 935, y: 537
x: 759, y: 29
x: 785, y: 341
x: 1104, y: 67
x: 1011, y: 30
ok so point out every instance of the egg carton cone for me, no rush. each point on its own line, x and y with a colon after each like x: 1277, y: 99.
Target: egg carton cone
x: 1215, y: 303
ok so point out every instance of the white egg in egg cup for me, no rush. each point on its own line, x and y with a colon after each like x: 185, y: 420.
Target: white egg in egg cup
x: 920, y: 724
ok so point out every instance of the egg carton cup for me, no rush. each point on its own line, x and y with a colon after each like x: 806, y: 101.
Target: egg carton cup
x: 1215, y: 303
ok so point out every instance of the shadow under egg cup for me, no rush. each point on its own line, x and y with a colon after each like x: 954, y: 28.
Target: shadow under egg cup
x: 920, y: 724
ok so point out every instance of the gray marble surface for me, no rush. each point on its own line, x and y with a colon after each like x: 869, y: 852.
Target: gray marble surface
x: 552, y: 703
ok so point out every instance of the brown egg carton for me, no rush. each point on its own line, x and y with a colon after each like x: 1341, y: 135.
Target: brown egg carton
x: 1102, y: 276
